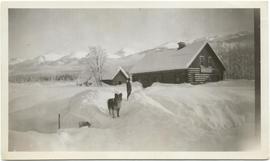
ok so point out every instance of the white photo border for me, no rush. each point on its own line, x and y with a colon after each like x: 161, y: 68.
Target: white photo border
x: 261, y: 153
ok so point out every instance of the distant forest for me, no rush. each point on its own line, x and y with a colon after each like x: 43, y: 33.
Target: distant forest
x: 38, y: 77
x: 238, y: 59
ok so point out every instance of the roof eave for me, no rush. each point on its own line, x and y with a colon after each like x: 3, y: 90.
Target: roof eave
x: 123, y: 71
x: 197, y: 53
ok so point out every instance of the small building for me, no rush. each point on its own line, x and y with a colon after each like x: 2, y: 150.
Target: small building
x: 194, y: 63
x: 114, y: 76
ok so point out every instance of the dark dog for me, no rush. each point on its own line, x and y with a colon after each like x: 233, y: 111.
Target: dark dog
x: 114, y: 104
x: 84, y: 123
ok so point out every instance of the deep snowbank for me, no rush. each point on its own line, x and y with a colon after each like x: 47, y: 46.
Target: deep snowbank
x: 213, y: 116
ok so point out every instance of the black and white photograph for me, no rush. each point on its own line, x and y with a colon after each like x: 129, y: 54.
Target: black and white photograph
x: 134, y: 79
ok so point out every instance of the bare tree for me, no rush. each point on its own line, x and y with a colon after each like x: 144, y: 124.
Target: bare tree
x: 97, y: 58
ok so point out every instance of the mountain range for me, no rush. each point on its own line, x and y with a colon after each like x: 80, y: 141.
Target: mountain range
x: 52, y: 63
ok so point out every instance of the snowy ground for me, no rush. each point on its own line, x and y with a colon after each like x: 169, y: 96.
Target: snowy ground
x: 164, y: 117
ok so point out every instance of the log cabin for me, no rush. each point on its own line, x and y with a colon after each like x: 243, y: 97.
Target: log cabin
x: 114, y: 76
x: 194, y: 63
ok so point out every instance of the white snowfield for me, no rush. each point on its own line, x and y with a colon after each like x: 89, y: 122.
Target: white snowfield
x: 164, y: 117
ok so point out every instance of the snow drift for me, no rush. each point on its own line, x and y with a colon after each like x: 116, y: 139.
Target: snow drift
x: 214, y: 116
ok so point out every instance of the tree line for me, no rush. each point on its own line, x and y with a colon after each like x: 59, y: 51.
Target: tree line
x: 21, y: 78
x: 238, y: 59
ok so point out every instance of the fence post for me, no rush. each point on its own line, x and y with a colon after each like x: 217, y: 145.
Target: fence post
x: 58, y: 121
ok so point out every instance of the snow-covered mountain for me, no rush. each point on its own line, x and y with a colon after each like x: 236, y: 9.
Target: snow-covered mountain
x: 122, y: 53
x: 77, y: 55
x: 172, y: 44
x: 76, y: 61
x: 50, y: 57
x: 240, y: 37
x: 169, y: 45
x: 14, y: 61
x: 72, y: 58
x: 64, y: 59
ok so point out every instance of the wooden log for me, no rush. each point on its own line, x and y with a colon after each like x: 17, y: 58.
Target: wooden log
x: 194, y: 71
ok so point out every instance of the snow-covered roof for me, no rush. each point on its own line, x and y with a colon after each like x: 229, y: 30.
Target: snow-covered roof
x: 110, y: 73
x: 168, y: 59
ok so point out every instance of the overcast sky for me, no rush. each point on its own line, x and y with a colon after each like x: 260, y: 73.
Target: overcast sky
x: 34, y: 32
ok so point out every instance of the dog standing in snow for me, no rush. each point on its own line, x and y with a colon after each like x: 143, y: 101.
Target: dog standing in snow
x: 114, y: 104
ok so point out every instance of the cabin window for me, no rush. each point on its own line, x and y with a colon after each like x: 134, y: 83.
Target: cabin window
x: 201, y: 60
x: 210, y: 61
